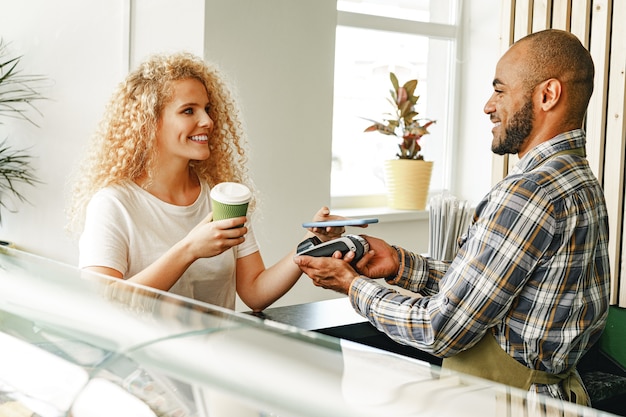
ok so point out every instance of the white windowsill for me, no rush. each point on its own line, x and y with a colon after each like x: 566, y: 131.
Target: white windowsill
x: 383, y: 214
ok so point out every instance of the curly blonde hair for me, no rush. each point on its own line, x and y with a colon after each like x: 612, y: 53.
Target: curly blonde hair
x: 124, y: 145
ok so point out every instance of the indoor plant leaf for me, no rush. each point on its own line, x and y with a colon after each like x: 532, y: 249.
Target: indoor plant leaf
x: 404, y: 123
x: 17, y: 94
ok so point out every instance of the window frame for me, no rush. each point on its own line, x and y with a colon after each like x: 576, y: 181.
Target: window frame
x: 449, y: 32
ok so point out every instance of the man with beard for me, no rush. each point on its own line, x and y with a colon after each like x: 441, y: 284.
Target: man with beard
x: 528, y: 292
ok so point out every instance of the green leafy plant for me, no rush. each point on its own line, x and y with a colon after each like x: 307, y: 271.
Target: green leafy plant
x: 17, y: 94
x: 404, y: 122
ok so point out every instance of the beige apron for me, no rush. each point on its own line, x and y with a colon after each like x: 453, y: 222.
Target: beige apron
x: 488, y: 360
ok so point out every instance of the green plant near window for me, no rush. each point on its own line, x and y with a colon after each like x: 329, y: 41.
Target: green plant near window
x: 404, y: 122
x: 17, y: 95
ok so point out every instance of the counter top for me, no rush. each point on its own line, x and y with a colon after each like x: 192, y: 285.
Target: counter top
x: 337, y: 318
x: 315, y: 316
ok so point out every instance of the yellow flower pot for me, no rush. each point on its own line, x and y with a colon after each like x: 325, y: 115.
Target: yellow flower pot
x: 407, y: 183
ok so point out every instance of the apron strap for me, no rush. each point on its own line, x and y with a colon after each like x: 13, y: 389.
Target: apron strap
x: 488, y: 360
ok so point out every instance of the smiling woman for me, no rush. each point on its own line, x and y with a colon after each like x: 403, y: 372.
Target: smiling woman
x: 151, y: 163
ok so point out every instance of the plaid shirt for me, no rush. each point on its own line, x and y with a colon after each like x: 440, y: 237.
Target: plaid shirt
x: 534, y: 267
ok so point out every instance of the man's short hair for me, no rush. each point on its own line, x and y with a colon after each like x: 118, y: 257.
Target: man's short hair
x: 554, y: 53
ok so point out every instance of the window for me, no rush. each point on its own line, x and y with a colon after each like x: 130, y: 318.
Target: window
x: 413, y: 39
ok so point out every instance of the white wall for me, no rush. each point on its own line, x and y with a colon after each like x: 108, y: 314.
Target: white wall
x: 283, y: 70
x: 77, y: 45
x: 165, y: 26
x: 479, y: 55
x: 278, y: 53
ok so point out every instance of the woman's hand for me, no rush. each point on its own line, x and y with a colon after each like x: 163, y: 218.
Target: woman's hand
x: 328, y: 233
x: 211, y: 238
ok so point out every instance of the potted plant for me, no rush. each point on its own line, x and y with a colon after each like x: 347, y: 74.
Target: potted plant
x: 17, y: 94
x: 408, y: 176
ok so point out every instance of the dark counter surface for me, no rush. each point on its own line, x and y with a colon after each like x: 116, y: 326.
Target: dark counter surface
x: 315, y: 316
x: 337, y: 318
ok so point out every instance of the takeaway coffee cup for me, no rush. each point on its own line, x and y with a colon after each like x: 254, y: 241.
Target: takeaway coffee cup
x: 230, y: 199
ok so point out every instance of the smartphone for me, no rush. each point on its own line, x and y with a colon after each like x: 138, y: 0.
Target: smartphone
x: 340, y: 223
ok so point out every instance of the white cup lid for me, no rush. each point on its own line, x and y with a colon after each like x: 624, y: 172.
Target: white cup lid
x: 231, y: 193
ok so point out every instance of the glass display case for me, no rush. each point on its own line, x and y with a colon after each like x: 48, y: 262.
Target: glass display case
x: 79, y: 344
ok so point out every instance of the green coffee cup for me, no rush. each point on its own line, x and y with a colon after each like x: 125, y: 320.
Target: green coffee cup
x: 230, y: 199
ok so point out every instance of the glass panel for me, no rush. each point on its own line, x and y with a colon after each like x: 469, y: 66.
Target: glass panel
x: 434, y: 11
x: 363, y: 60
x: 80, y: 344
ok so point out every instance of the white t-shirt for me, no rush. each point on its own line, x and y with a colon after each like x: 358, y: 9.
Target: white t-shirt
x: 127, y: 229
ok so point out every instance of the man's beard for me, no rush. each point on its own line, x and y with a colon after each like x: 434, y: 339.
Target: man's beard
x: 516, y: 132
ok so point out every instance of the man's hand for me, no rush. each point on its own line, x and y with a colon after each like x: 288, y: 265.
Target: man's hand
x: 380, y: 262
x: 331, y: 273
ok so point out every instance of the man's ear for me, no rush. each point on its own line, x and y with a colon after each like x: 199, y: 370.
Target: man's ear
x: 550, y: 93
